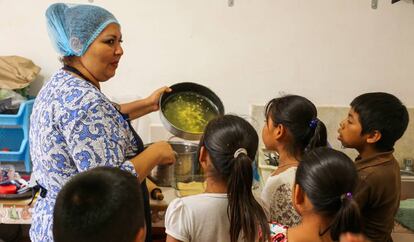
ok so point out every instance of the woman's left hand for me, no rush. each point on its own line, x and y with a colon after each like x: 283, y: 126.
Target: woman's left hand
x: 144, y: 106
x: 154, y: 98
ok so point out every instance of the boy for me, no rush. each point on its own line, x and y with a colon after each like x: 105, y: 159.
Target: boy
x: 374, y: 123
x: 103, y: 204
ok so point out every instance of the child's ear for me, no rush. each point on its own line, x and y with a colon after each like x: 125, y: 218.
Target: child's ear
x: 279, y: 131
x: 298, y: 199
x: 374, y: 137
x: 141, y: 235
x: 203, y: 157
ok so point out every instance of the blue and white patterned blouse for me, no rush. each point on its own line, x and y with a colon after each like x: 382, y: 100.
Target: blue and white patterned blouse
x: 73, y: 128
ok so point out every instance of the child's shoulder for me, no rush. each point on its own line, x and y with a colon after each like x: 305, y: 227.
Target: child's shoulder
x: 199, y: 199
x: 285, y: 177
x: 381, y: 161
x: 380, y: 172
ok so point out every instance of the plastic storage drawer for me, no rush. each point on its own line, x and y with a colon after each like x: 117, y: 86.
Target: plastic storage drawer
x: 14, y: 136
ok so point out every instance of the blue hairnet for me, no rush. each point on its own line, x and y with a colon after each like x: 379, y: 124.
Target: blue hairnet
x: 72, y: 28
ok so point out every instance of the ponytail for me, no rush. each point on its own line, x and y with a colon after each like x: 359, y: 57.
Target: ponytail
x: 347, y: 219
x: 328, y: 177
x: 245, y: 213
x: 298, y: 115
x: 232, y: 143
x: 319, y: 137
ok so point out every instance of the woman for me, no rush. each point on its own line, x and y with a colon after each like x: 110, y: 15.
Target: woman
x: 227, y: 211
x: 74, y: 127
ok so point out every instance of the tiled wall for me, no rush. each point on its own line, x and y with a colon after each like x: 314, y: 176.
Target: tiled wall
x: 332, y: 116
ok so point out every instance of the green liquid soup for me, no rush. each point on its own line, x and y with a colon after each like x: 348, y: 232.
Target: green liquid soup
x: 189, y: 111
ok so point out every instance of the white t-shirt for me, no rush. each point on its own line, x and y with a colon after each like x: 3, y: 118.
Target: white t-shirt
x: 277, y: 195
x: 201, y: 217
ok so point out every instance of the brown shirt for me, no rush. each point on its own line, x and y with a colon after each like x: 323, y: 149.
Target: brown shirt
x: 378, y: 194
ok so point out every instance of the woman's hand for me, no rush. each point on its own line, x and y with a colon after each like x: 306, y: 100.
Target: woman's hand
x: 166, y: 155
x: 159, y: 153
x: 154, y: 98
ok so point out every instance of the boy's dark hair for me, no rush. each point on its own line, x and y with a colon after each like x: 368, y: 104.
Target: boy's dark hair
x: 222, y: 137
x: 328, y: 178
x: 99, y: 205
x: 382, y: 112
x: 299, y: 116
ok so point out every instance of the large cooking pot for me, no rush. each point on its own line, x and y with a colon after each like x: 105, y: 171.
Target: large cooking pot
x: 185, y: 169
x: 186, y: 110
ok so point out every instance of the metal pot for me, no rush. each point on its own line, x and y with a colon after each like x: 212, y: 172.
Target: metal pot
x: 200, y: 90
x: 185, y: 169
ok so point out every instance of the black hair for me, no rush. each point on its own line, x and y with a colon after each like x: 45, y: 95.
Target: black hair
x: 299, y: 116
x: 328, y: 178
x: 382, y: 112
x: 67, y: 60
x: 222, y: 137
x: 103, y: 204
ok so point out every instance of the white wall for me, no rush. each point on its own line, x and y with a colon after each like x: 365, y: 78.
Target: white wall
x: 327, y: 50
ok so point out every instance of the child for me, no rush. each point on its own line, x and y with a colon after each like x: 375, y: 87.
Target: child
x: 291, y: 128
x: 374, y: 123
x: 323, y: 196
x: 103, y: 204
x: 227, y: 211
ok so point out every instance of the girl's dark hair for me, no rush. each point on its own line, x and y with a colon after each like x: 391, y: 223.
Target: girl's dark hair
x: 328, y: 178
x: 299, y: 116
x: 223, y: 136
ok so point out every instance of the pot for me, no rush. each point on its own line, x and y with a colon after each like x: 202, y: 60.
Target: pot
x: 185, y: 169
x: 194, y: 105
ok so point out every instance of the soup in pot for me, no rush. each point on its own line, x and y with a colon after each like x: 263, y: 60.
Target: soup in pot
x: 189, y: 111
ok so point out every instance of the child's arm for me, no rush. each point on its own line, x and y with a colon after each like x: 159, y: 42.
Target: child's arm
x: 362, y: 193
x: 172, y: 239
x: 177, y: 222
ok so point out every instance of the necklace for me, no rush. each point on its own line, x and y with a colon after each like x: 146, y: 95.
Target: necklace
x: 77, y: 72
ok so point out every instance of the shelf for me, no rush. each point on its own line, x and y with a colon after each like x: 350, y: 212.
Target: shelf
x: 14, y: 136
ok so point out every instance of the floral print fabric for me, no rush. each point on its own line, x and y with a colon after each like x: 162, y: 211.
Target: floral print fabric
x: 278, y: 232
x: 73, y: 128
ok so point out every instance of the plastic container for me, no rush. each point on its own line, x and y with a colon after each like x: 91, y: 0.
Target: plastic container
x: 14, y: 136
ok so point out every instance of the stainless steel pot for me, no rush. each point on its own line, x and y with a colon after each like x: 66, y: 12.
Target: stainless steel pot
x: 188, y: 87
x: 185, y: 169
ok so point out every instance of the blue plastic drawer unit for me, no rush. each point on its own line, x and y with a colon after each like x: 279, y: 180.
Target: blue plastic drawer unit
x: 14, y: 136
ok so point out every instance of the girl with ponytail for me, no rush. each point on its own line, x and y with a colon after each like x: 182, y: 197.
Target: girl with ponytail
x: 323, y: 196
x: 291, y: 128
x: 227, y: 211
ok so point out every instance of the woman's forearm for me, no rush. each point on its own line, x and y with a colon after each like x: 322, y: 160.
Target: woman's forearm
x: 172, y: 239
x: 144, y: 106
x: 157, y: 153
x: 144, y: 162
x: 137, y: 108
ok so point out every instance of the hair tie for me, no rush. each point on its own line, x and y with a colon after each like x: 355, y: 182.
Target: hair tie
x: 313, y: 123
x: 240, y: 151
x: 347, y: 195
